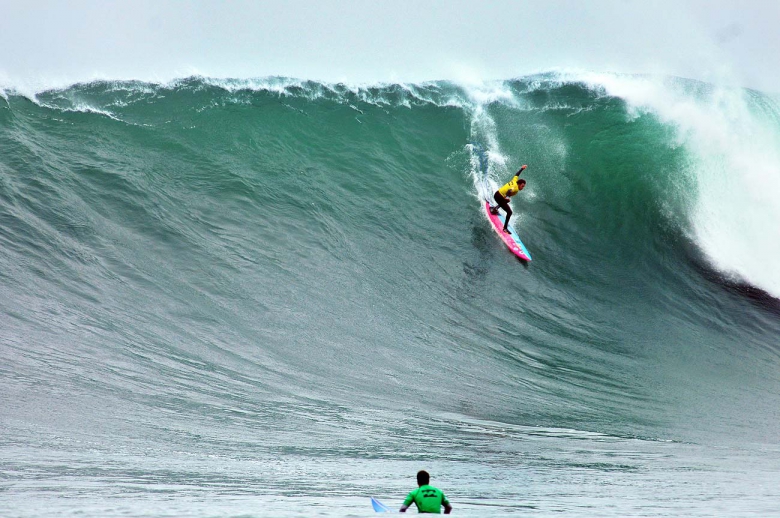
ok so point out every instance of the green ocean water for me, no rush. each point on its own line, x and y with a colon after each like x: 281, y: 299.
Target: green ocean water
x: 277, y: 297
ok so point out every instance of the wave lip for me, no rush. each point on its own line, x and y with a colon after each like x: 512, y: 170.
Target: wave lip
x: 732, y: 139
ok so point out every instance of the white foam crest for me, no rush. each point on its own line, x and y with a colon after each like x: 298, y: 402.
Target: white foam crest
x: 484, y: 93
x: 735, y: 146
x: 80, y: 107
x: 277, y: 85
x: 85, y: 108
x: 464, y: 95
x: 5, y: 88
x: 377, y: 94
x: 25, y: 91
x: 136, y: 87
x: 30, y: 87
x: 458, y: 95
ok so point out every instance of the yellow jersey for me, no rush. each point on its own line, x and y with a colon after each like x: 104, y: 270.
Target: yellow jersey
x: 510, y: 188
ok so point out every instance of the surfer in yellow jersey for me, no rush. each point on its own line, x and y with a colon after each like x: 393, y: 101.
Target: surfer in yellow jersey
x: 509, y: 189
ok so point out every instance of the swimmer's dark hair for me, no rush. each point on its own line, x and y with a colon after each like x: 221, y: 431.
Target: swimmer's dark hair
x: 521, y: 181
x: 423, y: 478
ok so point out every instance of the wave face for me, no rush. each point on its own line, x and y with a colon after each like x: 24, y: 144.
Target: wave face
x: 255, y: 296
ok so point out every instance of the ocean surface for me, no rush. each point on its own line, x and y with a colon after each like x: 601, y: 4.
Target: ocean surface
x: 280, y: 297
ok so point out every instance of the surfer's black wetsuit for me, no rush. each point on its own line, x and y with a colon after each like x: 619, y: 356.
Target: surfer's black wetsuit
x: 501, y: 200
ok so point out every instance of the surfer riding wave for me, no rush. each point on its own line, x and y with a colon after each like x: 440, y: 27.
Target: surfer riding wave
x: 509, y: 189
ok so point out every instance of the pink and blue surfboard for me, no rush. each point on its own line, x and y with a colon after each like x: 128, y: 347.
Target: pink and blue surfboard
x: 511, y: 240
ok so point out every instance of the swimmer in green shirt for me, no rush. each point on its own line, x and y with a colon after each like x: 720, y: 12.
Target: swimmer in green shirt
x: 428, y: 498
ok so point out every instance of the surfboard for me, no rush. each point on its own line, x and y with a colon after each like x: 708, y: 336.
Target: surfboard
x: 380, y: 507
x: 511, y: 240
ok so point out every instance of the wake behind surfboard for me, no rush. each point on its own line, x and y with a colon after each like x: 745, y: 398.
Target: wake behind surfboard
x: 512, y: 240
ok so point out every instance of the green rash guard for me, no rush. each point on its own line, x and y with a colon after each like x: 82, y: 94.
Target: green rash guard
x: 428, y: 499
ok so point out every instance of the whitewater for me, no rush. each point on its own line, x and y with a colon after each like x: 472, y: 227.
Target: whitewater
x: 280, y: 297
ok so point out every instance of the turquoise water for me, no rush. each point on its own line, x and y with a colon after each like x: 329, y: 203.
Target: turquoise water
x: 276, y: 297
